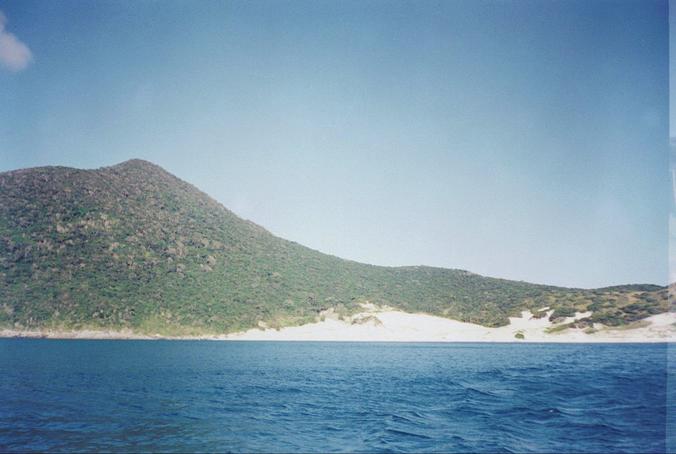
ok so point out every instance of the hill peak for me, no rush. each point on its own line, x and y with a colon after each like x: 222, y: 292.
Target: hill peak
x: 136, y: 164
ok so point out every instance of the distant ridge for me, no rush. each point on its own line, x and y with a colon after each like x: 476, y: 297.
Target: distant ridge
x: 132, y: 246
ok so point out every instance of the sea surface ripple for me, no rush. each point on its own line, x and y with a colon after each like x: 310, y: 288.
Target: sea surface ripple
x: 130, y: 396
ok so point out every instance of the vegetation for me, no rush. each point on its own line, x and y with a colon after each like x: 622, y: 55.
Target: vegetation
x: 132, y: 246
x: 559, y: 328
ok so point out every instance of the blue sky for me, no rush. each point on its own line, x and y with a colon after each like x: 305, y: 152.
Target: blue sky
x: 517, y: 139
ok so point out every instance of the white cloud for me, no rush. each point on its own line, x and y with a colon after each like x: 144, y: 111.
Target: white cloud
x: 14, y: 55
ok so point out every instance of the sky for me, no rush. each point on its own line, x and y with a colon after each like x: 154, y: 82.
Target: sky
x: 519, y: 139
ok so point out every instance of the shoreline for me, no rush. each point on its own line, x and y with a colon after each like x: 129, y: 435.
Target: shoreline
x: 377, y: 324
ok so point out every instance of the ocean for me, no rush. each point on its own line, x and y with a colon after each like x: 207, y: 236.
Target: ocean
x: 100, y: 395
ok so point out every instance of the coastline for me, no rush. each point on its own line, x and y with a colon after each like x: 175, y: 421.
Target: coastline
x: 376, y: 324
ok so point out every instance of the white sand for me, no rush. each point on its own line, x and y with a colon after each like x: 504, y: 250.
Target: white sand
x: 388, y: 325
x: 397, y: 326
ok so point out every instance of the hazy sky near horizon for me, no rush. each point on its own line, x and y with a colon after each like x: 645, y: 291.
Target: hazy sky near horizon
x: 516, y: 139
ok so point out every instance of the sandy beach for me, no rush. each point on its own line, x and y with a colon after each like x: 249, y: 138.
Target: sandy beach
x: 389, y: 325
x: 81, y: 334
x: 383, y: 324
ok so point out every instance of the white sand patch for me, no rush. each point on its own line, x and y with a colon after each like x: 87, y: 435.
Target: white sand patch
x: 397, y: 326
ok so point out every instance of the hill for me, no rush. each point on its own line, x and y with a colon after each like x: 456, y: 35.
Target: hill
x: 132, y: 246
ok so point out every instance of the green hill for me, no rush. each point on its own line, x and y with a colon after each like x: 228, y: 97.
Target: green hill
x: 132, y: 246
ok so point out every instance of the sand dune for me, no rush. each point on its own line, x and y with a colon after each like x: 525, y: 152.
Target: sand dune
x: 395, y: 326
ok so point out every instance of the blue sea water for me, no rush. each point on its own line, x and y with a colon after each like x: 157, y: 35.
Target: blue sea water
x: 75, y: 395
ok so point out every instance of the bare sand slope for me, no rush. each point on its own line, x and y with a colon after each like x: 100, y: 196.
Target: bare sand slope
x: 395, y: 326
